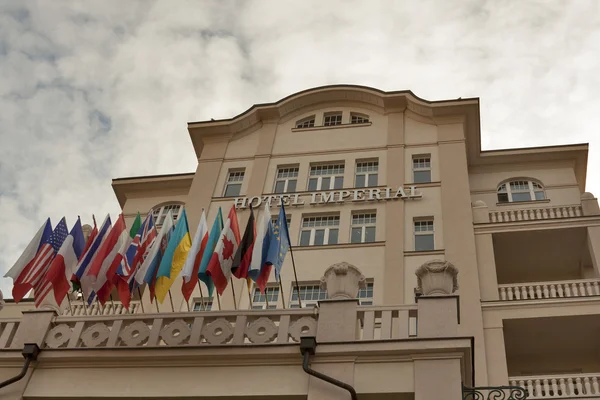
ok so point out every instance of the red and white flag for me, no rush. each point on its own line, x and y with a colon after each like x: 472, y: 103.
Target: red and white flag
x: 219, y: 267
x: 189, y: 273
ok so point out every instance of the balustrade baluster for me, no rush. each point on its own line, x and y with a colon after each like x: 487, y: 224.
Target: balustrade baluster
x: 538, y: 291
x: 574, y: 290
x: 544, y: 213
x: 564, y: 213
x: 531, y: 292
x: 559, y: 290
x: 546, y: 292
x: 493, y: 218
x: 578, y: 387
x: 502, y: 293
x: 546, y: 388
x: 587, y: 385
x: 567, y: 290
x: 511, y: 216
x: 578, y: 212
x: 588, y: 289
x: 511, y: 295
x: 530, y: 388
x: 552, y: 212
x: 581, y: 289
x: 563, y: 387
x: 596, y: 288
x: 552, y: 291
x: 517, y: 293
x: 595, y: 386
x: 554, y: 383
x: 571, y: 383
x: 571, y: 212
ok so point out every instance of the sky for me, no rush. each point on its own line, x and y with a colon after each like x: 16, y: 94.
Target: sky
x: 95, y: 90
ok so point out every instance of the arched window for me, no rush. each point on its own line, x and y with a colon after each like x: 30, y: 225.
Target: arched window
x: 160, y: 212
x: 307, y: 122
x: 520, y: 190
x: 357, y: 118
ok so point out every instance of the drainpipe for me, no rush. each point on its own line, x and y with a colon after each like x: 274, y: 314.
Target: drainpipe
x: 308, y: 344
x: 30, y: 353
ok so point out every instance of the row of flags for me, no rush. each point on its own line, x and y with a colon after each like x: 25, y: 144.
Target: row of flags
x: 57, y: 260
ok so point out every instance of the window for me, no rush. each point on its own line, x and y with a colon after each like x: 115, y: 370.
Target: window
x: 199, y: 306
x: 233, y: 187
x: 320, y: 230
x: 333, y: 118
x: 422, y: 169
x: 356, y: 118
x: 424, y: 235
x: 363, y: 228
x: 520, y: 191
x: 326, y: 177
x: 271, y: 296
x: 288, y: 219
x: 311, y: 294
x: 307, y: 122
x: 366, y: 173
x: 285, y: 181
x: 160, y: 213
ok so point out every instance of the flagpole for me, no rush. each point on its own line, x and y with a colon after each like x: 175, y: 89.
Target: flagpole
x: 156, y: 303
x: 219, y: 301
x: 249, y: 294
x: 267, y: 296
x: 293, y: 261
x: 233, y: 293
x: 188, y: 305
x: 141, y: 300
x: 282, y: 295
x: 85, y: 311
x: 112, y: 302
x: 171, y: 299
x: 70, y: 306
x: 201, y: 296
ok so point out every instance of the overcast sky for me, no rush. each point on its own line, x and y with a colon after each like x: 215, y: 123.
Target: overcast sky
x: 93, y: 90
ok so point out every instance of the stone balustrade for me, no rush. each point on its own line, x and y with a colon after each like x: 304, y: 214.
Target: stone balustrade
x: 559, y: 386
x: 79, y: 309
x: 549, y: 290
x: 534, y: 214
x: 387, y: 322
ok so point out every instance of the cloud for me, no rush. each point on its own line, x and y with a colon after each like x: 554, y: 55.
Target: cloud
x: 95, y: 90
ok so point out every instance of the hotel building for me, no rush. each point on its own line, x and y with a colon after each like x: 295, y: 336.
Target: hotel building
x: 396, y: 194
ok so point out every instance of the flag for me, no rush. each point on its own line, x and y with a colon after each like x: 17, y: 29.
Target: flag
x: 189, y: 273
x: 149, y: 268
x: 39, y: 245
x: 258, y: 267
x: 219, y: 267
x: 62, y: 267
x: 279, y: 243
x: 97, y: 278
x: 243, y: 255
x: 213, y: 237
x: 121, y: 263
x: 90, y: 254
x: 174, y: 258
x: 88, y: 243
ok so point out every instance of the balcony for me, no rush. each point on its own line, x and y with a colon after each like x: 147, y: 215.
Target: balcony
x: 549, y: 290
x: 535, y: 214
x: 559, y: 386
x: 111, y: 308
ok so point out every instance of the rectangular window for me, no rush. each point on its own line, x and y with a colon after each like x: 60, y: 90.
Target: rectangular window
x: 319, y: 230
x: 326, y: 177
x: 288, y: 218
x: 285, y: 181
x: 422, y: 168
x: 363, y: 227
x: 233, y: 187
x: 199, y: 306
x: 271, y: 296
x: 366, y: 173
x: 310, y: 294
x: 356, y: 118
x: 333, y: 118
x: 424, y: 235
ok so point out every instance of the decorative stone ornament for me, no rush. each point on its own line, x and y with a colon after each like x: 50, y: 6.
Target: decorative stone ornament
x: 58, y: 336
x: 176, y: 332
x: 95, y: 335
x: 263, y: 330
x: 437, y: 277
x: 135, y: 334
x: 305, y: 326
x: 219, y: 331
x: 342, y: 281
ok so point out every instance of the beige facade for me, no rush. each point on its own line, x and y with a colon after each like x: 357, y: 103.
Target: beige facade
x: 517, y: 224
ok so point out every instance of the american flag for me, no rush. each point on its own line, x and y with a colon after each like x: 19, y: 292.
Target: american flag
x: 41, y: 285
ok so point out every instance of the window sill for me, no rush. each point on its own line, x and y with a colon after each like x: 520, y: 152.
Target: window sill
x: 317, y: 128
x: 424, y: 184
x: 513, y: 203
x: 424, y: 252
x: 339, y: 246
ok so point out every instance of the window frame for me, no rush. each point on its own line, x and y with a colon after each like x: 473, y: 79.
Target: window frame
x: 338, y: 115
x: 372, y: 223
x: 163, y: 210
x: 416, y: 159
x: 308, y: 121
x: 273, y: 295
x: 533, y: 188
x: 340, y: 166
x: 286, y: 179
x: 431, y: 232
x: 321, y: 294
x: 197, y: 301
x: 367, y: 174
x: 327, y: 228
x: 234, y: 172
x: 360, y: 118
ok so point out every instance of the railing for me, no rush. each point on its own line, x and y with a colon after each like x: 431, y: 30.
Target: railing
x: 79, y: 309
x: 533, y: 214
x: 549, y: 290
x: 8, y: 328
x: 182, y: 329
x: 387, y: 322
x: 559, y: 386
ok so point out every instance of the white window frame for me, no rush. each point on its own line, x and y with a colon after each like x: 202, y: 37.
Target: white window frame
x: 366, y: 168
x: 319, y: 222
x: 234, y: 177
x: 317, y: 294
x: 421, y: 163
x: 363, y: 295
x: 308, y: 122
x: 320, y: 171
x: 358, y: 118
x: 333, y: 118
x: 197, y: 304
x: 288, y: 218
x: 160, y: 213
x: 421, y: 228
x: 259, y: 300
x: 363, y: 220
x: 521, y: 186
x: 286, y: 174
